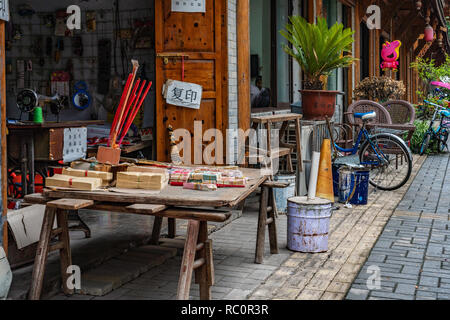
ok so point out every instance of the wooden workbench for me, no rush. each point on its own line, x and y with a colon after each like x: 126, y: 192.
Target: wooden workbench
x: 172, y: 202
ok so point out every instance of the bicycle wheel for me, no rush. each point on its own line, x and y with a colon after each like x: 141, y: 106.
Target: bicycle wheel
x: 425, y: 143
x: 443, y: 138
x: 389, y: 160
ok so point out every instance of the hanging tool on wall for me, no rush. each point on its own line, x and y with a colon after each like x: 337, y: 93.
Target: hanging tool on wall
x: 91, y: 23
x: 29, y: 70
x: 104, y: 66
x: 36, y: 49
x: 77, y: 46
x: 20, y: 82
x: 59, y: 49
x: 81, y: 99
x: 49, y: 46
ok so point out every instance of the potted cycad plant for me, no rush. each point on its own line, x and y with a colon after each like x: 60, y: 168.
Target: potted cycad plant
x: 318, y: 50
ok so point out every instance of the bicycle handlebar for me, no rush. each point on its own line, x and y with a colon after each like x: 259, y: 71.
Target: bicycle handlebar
x: 434, y: 104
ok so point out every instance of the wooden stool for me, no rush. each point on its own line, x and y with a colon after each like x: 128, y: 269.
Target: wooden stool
x: 267, y: 217
x: 266, y: 157
x: 58, y: 208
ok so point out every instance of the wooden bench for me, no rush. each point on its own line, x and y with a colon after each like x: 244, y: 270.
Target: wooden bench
x: 267, y: 217
x: 59, y: 209
x: 197, y: 255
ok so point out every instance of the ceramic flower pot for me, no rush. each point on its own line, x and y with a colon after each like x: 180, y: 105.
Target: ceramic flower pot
x: 318, y: 104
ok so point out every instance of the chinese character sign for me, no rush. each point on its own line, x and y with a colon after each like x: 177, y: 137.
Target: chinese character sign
x: 188, y: 6
x: 4, y: 10
x: 183, y: 94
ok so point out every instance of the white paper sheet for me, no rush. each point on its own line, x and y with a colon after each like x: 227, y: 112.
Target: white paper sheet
x: 188, y: 6
x: 75, y: 144
x: 183, y: 94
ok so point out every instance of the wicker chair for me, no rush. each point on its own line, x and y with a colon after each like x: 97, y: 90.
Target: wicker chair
x: 383, y: 116
x: 402, y: 112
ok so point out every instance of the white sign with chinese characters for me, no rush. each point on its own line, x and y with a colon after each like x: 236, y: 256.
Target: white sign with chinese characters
x: 183, y: 94
x: 4, y: 10
x: 188, y: 6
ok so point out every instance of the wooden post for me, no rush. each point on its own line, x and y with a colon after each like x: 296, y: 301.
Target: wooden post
x: 357, y: 44
x: 4, y: 184
x: 243, y: 62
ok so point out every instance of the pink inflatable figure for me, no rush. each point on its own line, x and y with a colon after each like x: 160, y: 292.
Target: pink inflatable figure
x: 390, y: 54
x: 441, y: 84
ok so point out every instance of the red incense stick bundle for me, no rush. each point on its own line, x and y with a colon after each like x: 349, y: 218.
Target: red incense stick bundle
x: 135, y: 111
x: 116, y: 116
x: 131, y: 101
x: 119, y: 120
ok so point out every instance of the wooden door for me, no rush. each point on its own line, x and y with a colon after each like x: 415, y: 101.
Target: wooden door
x: 198, y: 36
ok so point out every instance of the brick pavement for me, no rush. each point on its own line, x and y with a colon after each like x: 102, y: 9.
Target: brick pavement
x: 288, y: 275
x: 413, y: 251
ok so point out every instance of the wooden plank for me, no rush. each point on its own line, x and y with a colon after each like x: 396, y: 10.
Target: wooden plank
x: 26, y: 125
x: 157, y: 224
x: 277, y: 117
x: 273, y: 237
x: 65, y: 254
x: 209, y: 262
x: 243, y: 60
x: 275, y: 184
x: 196, y: 214
x: 147, y: 208
x: 70, y: 204
x: 172, y: 232
x: 201, y: 274
x: 3, y: 142
x: 187, y: 264
x: 37, y: 277
x: 261, y: 233
x: 36, y: 198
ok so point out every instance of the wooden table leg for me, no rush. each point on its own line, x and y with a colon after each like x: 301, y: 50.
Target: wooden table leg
x: 203, y: 272
x: 64, y: 252
x: 172, y: 228
x: 156, y: 233
x: 187, y: 264
x: 262, y: 219
x: 273, y: 238
x: 41, y: 254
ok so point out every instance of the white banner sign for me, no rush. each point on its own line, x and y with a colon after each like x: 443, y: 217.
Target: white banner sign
x: 4, y: 10
x: 183, y: 94
x: 188, y: 6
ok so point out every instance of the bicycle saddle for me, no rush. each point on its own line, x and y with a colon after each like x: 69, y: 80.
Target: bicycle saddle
x: 365, y: 115
x: 445, y: 113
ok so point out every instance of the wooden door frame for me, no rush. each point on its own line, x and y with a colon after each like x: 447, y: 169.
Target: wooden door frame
x: 4, y: 184
x: 221, y: 70
x: 243, y: 62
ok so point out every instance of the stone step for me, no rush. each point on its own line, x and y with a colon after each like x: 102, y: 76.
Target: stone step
x: 122, y: 269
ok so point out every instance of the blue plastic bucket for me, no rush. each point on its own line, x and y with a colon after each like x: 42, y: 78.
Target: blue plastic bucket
x: 356, y: 182
x: 335, y: 170
x: 308, y: 224
x: 283, y: 194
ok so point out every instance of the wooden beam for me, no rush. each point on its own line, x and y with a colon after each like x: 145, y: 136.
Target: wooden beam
x: 406, y: 23
x: 3, y: 132
x: 388, y: 12
x: 357, y: 36
x: 243, y: 56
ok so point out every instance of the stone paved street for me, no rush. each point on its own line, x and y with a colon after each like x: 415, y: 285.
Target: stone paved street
x: 288, y: 275
x: 413, y: 252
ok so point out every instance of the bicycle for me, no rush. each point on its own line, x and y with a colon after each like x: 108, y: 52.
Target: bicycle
x: 441, y: 133
x: 386, y: 156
